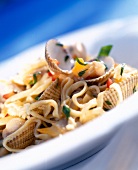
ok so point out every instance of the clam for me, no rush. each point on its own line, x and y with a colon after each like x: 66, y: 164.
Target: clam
x: 54, y: 51
x: 52, y: 92
x: 12, y: 126
x: 22, y: 137
x: 109, y: 69
x: 5, y: 120
x: 114, y: 96
x: 64, y: 54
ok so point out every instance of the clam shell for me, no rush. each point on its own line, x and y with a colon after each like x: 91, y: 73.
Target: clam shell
x: 102, y: 78
x: 109, y: 62
x: 54, y: 51
x: 4, y: 120
x: 21, y: 138
x: 127, y: 87
x: 52, y: 92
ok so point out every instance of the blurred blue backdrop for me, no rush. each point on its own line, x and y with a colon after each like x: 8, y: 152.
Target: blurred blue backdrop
x: 24, y: 23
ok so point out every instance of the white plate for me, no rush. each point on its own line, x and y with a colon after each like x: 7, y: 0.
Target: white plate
x: 93, y: 136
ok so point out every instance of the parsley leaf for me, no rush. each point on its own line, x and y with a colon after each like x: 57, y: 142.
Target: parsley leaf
x: 104, y: 51
x: 82, y: 72
x: 106, y: 68
x: 108, y: 102
x: 32, y: 82
x: 37, y: 97
x: 84, y: 64
x: 122, y: 69
x: 59, y: 44
x: 66, y: 58
x: 96, y: 59
x: 106, y: 109
x: 134, y: 89
x: 66, y: 111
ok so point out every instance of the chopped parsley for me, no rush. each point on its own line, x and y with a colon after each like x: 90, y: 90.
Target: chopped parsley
x: 104, y: 51
x: 106, y: 109
x: 106, y: 68
x: 37, y: 97
x: 134, y: 89
x: 32, y: 82
x: 66, y: 58
x: 96, y: 59
x: 59, y: 44
x: 84, y: 64
x: 66, y: 111
x: 82, y: 72
x: 122, y: 69
x: 108, y: 102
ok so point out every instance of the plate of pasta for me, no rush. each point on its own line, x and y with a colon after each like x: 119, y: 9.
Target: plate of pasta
x: 56, y: 98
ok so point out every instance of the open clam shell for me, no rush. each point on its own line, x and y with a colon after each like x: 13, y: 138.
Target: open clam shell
x: 109, y: 63
x: 52, y: 92
x: 64, y: 54
x: 54, y: 50
x: 111, y: 95
x: 21, y: 138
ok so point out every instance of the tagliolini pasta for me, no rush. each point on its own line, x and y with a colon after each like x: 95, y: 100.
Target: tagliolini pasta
x: 45, y: 100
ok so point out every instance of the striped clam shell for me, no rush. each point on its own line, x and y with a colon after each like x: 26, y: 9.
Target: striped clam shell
x: 103, y: 77
x: 52, y: 92
x: 111, y: 95
x: 54, y: 50
x: 109, y: 62
x: 21, y: 138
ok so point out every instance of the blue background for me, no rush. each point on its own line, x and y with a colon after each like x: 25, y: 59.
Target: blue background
x: 24, y: 23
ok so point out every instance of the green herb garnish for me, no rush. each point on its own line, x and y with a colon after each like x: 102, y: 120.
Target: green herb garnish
x: 84, y: 64
x: 134, y: 89
x: 106, y: 68
x: 122, y: 69
x: 66, y: 58
x: 59, y: 44
x: 96, y: 59
x: 37, y: 97
x: 82, y: 72
x: 104, y: 51
x: 32, y: 82
x: 108, y: 102
x: 66, y: 111
x: 106, y: 109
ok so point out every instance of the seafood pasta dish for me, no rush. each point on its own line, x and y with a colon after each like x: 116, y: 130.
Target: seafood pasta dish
x: 59, y: 93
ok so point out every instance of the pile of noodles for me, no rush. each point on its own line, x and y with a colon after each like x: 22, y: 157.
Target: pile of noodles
x: 79, y: 102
